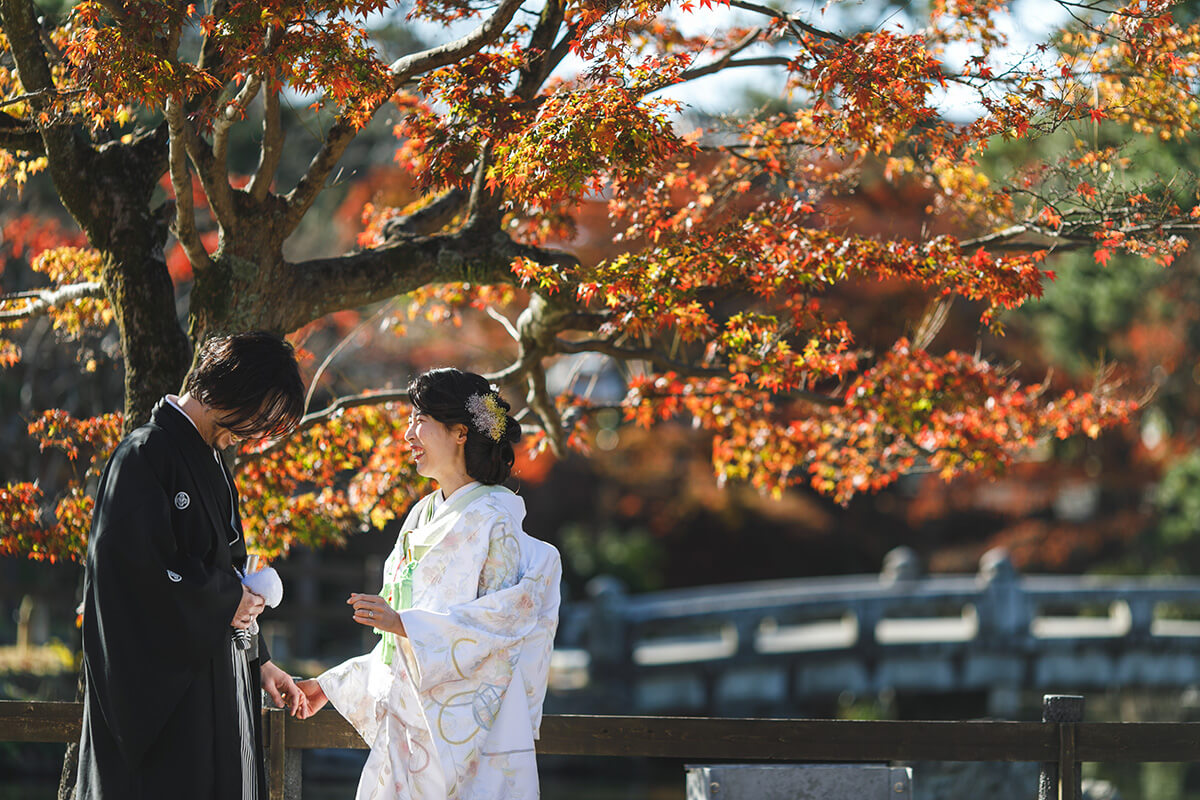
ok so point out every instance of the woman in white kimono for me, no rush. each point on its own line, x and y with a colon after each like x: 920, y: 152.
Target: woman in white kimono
x: 450, y: 700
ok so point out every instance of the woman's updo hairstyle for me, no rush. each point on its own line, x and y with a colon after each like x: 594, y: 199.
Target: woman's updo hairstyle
x: 454, y: 397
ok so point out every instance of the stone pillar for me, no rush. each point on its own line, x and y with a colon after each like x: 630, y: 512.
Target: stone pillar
x: 609, y: 650
x: 24, y: 623
x: 899, y: 565
x: 1004, y: 611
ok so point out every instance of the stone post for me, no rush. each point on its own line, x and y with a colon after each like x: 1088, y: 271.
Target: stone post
x: 24, y: 623
x: 609, y: 650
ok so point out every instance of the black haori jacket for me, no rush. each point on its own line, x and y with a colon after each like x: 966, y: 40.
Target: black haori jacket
x: 160, y: 717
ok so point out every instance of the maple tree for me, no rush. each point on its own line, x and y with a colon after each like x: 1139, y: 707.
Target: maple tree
x: 723, y: 289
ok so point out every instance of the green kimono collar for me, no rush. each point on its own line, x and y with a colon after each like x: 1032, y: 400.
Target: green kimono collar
x: 398, y: 593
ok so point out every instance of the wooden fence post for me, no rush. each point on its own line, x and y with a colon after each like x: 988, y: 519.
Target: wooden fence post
x: 276, y: 753
x: 1062, y: 780
x: 283, y: 764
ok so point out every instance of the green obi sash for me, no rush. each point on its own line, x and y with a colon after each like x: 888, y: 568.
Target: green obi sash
x: 398, y: 592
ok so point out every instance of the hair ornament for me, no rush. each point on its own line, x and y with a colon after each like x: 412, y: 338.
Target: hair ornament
x: 489, y: 418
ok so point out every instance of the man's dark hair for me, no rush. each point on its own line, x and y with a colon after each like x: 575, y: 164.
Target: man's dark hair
x: 252, y: 381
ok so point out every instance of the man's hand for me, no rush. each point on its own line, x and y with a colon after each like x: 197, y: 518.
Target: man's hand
x: 314, y: 696
x: 283, y: 690
x: 251, y: 606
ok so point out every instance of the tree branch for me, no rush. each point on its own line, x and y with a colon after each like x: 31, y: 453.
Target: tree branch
x: 301, y: 198
x: 511, y: 372
x: 538, y: 326
x: 427, y: 220
x: 170, y: 43
x: 795, y: 21
x: 342, y: 345
x: 66, y: 154
x: 320, y: 286
x: 1006, y: 238
x: 272, y: 146
x: 727, y: 60
x: 21, y: 98
x: 662, y: 362
x: 352, y: 401
x: 347, y: 402
x: 329, y: 412
x: 213, y: 178
x: 542, y: 403
x: 181, y: 182
x: 560, y: 50
x: 484, y: 203
x: 211, y: 167
x: 18, y: 134
x: 541, y: 43
x: 504, y: 323
x: 115, y: 8
x: 1003, y: 235
x: 377, y: 398
x: 723, y: 64
x: 21, y: 28
x: 406, y: 67
x: 230, y: 113
x: 344, y: 129
x: 483, y: 206
x: 40, y: 301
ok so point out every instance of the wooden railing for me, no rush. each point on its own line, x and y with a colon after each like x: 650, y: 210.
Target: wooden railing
x: 1062, y: 744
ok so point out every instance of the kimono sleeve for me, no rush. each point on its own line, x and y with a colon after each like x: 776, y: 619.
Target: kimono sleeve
x: 349, y: 689
x: 153, y: 613
x: 482, y: 639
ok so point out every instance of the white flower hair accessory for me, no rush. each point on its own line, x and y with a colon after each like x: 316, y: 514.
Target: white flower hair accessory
x: 489, y: 418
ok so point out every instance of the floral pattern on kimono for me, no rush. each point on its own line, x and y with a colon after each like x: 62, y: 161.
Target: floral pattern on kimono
x: 456, y: 712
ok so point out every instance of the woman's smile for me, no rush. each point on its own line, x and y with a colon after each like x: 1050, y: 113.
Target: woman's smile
x: 437, y: 450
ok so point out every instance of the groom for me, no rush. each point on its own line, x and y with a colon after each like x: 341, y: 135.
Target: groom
x: 172, y: 704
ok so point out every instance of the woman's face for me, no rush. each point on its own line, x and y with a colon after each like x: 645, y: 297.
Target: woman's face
x: 437, y: 449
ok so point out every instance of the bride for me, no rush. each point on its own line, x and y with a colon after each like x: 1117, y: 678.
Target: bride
x: 450, y: 700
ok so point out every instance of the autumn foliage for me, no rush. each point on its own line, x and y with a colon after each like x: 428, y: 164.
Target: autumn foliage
x: 724, y: 287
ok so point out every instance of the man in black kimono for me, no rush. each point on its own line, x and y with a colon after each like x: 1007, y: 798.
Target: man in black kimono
x: 171, y: 707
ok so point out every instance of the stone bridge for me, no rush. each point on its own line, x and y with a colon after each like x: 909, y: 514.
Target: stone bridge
x: 778, y: 647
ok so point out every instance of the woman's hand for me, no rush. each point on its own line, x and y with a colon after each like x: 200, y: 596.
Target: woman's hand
x: 374, y: 612
x: 314, y: 697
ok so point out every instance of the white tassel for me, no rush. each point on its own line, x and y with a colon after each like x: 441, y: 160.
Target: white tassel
x: 266, y: 584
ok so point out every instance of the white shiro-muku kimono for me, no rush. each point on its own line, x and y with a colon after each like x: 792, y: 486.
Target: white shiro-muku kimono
x: 452, y: 710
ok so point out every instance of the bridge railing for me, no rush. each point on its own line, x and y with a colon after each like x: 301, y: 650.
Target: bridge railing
x: 1061, y: 744
x: 997, y: 614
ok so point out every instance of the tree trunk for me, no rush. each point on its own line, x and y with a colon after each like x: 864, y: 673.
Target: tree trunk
x: 154, y: 347
x: 120, y: 223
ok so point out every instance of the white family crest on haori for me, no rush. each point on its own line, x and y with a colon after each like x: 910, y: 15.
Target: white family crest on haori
x: 452, y: 710
x: 182, y: 501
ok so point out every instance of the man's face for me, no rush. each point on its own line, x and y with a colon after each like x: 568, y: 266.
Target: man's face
x: 222, y: 437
